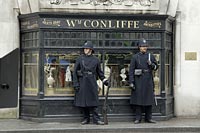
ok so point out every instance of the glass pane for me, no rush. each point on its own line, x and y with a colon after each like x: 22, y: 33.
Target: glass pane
x: 67, y: 43
x: 76, y: 42
x: 86, y: 35
x: 157, y: 76
x: 126, y: 36
x: 145, y: 35
x: 76, y: 35
x: 138, y: 35
x: 99, y: 82
x: 95, y: 43
x: 132, y: 36
x: 134, y: 43
x: 66, y: 34
x: 58, y: 74
x: 30, y: 40
x: 168, y: 72
x: 47, y: 34
x: 93, y: 35
x: 154, y: 43
x: 30, y: 74
x: 119, y: 62
x: 168, y: 41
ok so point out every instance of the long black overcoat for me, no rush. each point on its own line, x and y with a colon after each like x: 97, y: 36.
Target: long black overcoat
x: 144, y: 84
x: 87, y: 96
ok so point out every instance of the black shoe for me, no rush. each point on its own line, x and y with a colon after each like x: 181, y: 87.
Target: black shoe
x: 137, y: 121
x: 150, y: 121
x: 99, y: 123
x: 85, y: 121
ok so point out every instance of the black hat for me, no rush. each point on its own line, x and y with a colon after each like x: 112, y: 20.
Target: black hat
x: 89, y: 45
x: 142, y: 43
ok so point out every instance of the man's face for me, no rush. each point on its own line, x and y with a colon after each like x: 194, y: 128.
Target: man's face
x: 143, y: 49
x: 87, y: 51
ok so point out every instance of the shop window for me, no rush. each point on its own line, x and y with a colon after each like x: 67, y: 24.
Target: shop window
x: 30, y: 74
x: 168, y: 41
x: 30, y: 40
x: 119, y: 64
x: 56, y: 65
x: 168, y: 69
x: 58, y: 76
x: 157, y: 74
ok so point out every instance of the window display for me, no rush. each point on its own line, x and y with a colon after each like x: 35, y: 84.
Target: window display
x: 30, y: 73
x: 58, y: 66
x: 58, y: 70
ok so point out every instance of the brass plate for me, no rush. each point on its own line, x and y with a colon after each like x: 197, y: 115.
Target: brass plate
x: 190, y: 55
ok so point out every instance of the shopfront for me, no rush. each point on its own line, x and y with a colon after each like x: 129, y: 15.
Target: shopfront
x: 51, y: 42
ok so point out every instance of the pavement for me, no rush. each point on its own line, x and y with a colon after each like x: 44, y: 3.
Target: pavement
x: 177, y: 125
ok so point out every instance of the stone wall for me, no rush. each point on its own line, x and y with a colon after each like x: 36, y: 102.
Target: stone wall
x: 100, y: 6
x: 187, y: 69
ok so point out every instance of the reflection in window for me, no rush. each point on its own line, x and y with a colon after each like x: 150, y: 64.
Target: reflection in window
x: 30, y: 74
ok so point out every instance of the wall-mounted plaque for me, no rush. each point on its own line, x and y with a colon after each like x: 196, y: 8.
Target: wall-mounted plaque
x: 190, y: 55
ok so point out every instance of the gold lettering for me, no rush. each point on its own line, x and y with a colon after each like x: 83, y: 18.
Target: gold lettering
x: 79, y: 21
x: 95, y: 23
x: 32, y: 26
x: 130, y: 24
x: 124, y: 22
x: 47, y: 22
x: 136, y: 24
x: 103, y: 24
x: 70, y: 23
x: 85, y: 23
x: 110, y: 24
x: 152, y: 24
x: 25, y: 23
x: 51, y: 22
x: 117, y: 25
x: 56, y: 23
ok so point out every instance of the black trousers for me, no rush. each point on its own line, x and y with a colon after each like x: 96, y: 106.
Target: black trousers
x: 147, y: 110
x: 86, y: 113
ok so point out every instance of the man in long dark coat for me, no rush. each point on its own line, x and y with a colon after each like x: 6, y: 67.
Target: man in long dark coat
x: 141, y: 81
x: 86, y: 70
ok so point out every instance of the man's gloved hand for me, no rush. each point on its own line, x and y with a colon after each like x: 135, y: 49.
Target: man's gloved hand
x: 77, y: 88
x: 132, y: 86
x: 152, y: 65
x: 149, y: 62
x: 105, y: 82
